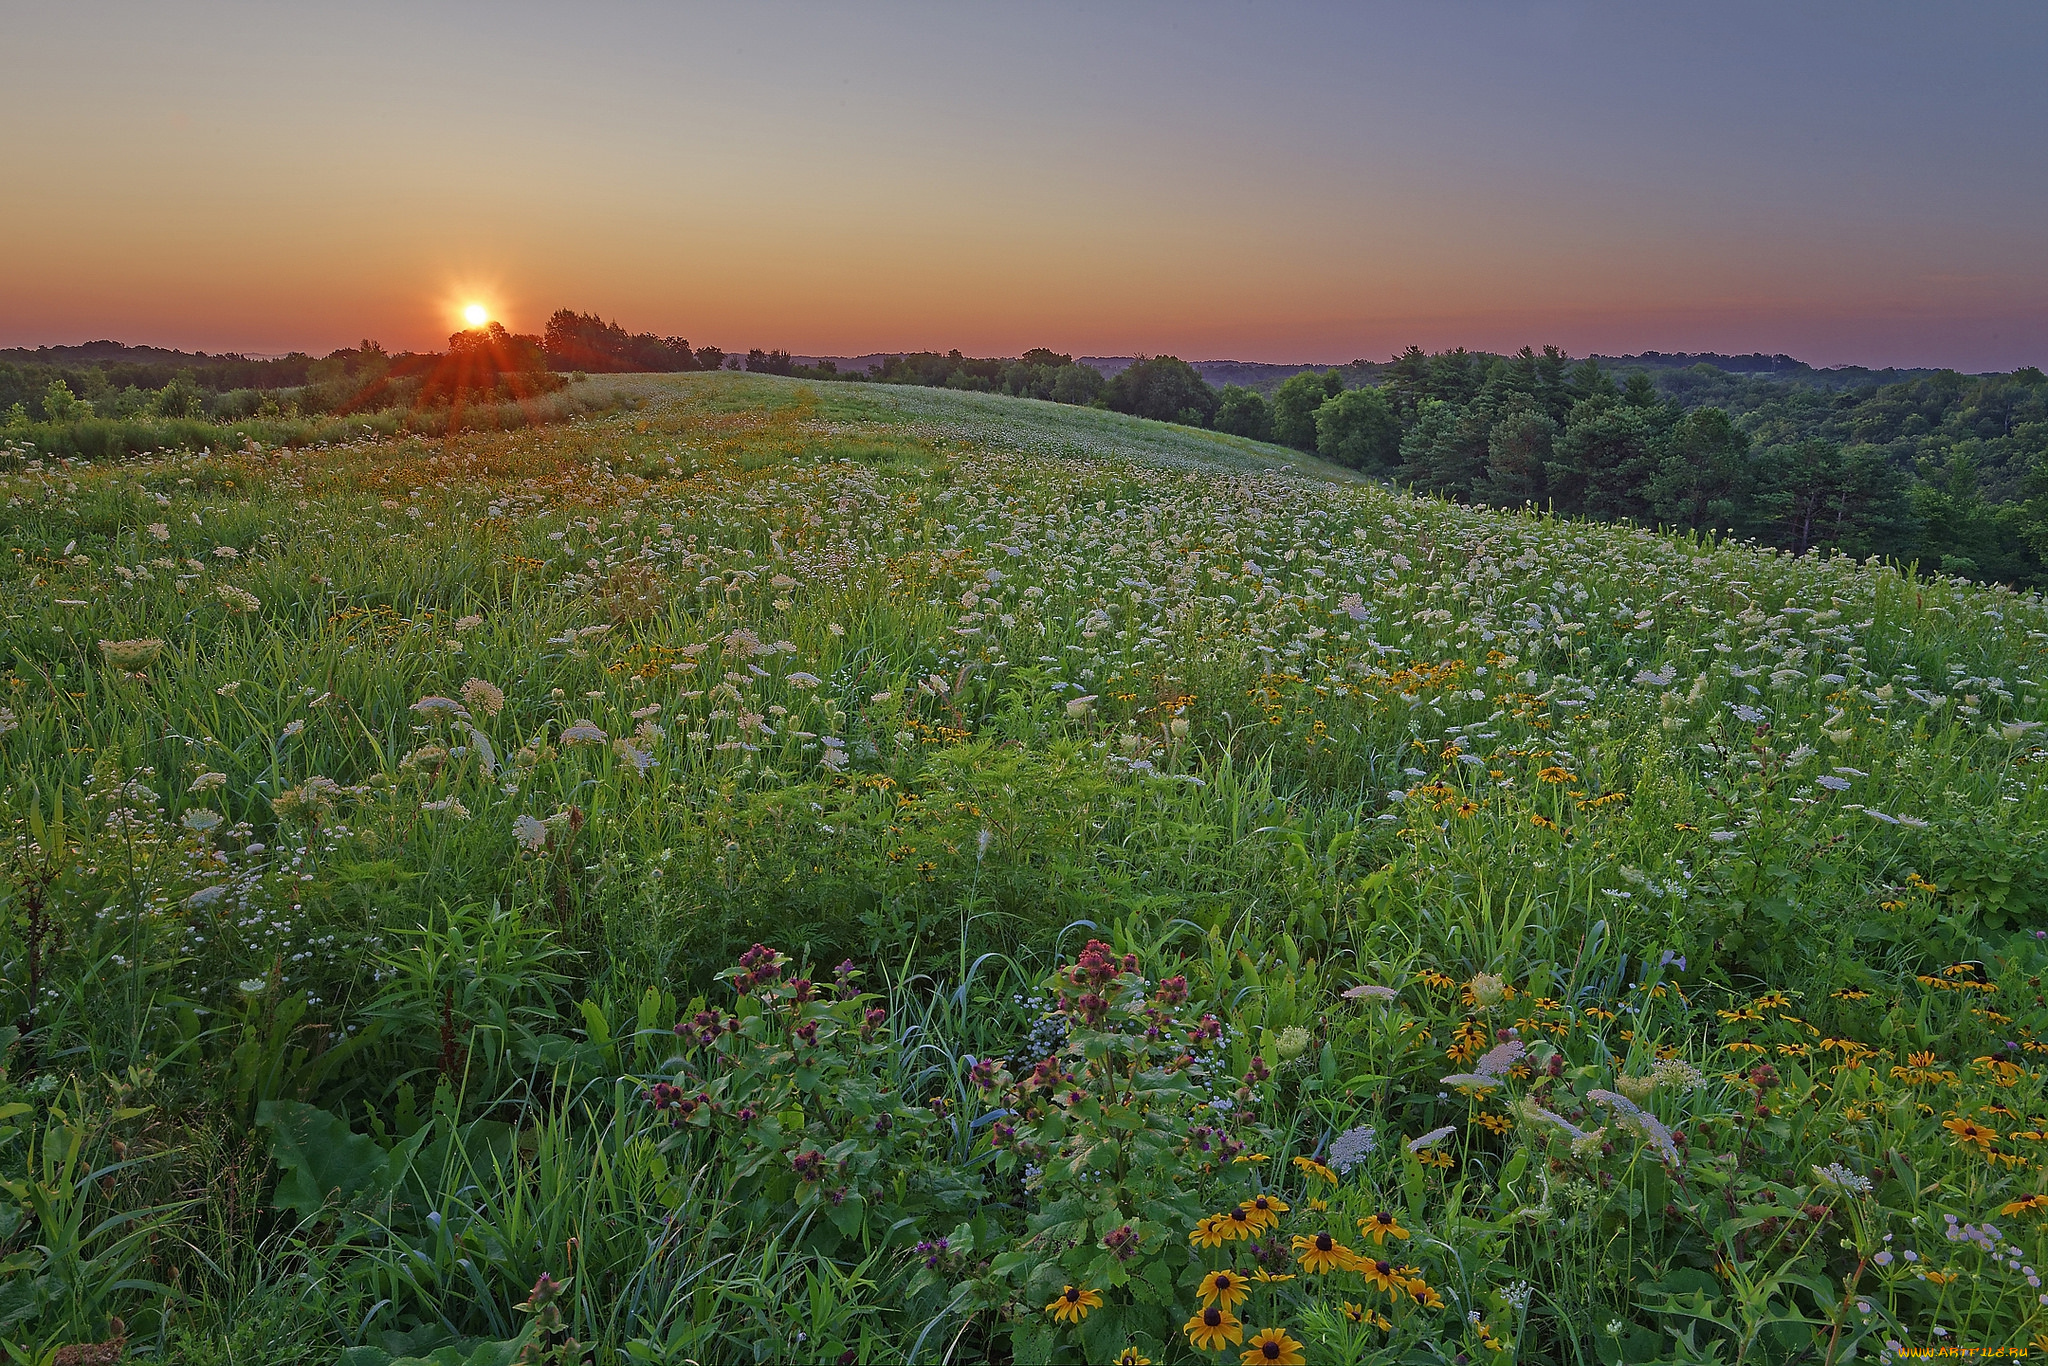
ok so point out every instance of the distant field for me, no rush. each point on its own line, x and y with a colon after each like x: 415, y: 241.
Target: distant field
x: 791, y: 871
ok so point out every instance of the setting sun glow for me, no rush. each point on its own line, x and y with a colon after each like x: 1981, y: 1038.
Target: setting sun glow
x: 476, y: 315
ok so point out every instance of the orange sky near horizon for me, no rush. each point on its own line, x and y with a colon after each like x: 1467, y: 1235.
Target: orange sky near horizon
x: 1296, y: 185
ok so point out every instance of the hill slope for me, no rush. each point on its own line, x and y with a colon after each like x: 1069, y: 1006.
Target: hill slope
x: 893, y: 826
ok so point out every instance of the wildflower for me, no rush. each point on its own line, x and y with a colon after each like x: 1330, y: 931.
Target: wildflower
x: 1073, y: 1303
x: 1273, y: 1347
x: 583, y: 732
x: 1078, y: 708
x: 1368, y: 991
x: 1238, y: 1223
x: 1676, y: 1074
x: 530, y: 833
x: 1842, y: 1179
x: 1472, y: 1083
x: 1252, y: 1157
x: 1265, y: 1277
x: 1291, y: 1043
x: 1131, y: 1356
x: 1488, y: 990
x: 1637, y: 1089
x: 159, y: 531
x: 1211, y: 1328
x: 1210, y: 1231
x: 1432, y: 1138
x: 1381, y: 1275
x: 449, y: 805
x: 485, y: 697
x: 207, y: 782
x: 1224, y: 1287
x: 1320, y: 1252
x: 238, y: 600
x: 1380, y: 1227
x: 1424, y: 1294
x: 1968, y: 1131
x: 1316, y: 1169
x: 1265, y: 1209
x: 131, y: 656
x: 1358, y: 1313
x: 1350, y: 1148
x: 1629, y: 1115
x: 2026, y: 1204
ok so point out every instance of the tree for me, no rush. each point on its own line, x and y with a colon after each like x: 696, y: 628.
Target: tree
x: 1244, y: 412
x: 584, y: 341
x: 1163, y: 387
x: 1407, y: 382
x: 1358, y: 428
x: 180, y: 398
x: 1602, y: 463
x: 1445, y: 451
x: 1295, y: 404
x: 1818, y: 495
x: 1640, y: 391
x: 61, y: 405
x: 1589, y: 380
x: 1517, y: 447
x: 1081, y: 384
x: 1702, y: 477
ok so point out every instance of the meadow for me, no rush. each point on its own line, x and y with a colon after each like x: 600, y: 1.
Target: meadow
x: 843, y: 873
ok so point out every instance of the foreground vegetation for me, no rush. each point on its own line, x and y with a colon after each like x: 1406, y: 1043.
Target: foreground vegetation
x: 875, y: 874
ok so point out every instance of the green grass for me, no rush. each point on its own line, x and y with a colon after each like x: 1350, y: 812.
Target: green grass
x: 342, y: 1000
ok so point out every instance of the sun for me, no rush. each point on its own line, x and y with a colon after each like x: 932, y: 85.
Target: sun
x: 476, y: 315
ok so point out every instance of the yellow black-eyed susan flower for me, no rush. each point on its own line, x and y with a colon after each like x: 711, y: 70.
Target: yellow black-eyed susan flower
x: 1273, y: 1347
x: 1238, y: 1223
x: 1381, y: 1226
x: 1212, y: 1328
x: 1073, y: 1303
x: 1319, y: 1252
x: 1382, y: 1275
x: 1316, y: 1169
x: 1265, y: 1210
x: 1969, y: 1131
x: 1223, y: 1288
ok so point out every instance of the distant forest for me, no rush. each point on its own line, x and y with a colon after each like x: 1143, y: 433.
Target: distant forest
x: 1933, y: 466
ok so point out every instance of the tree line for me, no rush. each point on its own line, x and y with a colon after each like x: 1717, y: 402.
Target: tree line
x: 1944, y: 468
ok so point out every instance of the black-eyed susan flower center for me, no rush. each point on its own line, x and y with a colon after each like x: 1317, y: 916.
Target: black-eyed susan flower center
x: 1072, y: 1296
x: 1270, y: 1350
x: 1222, y: 1282
x: 1239, y: 1216
x: 1384, y: 1268
x: 1385, y: 1219
x: 1212, y: 1317
x: 1324, y: 1242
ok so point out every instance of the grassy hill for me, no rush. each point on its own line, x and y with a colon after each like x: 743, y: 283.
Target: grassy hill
x: 828, y: 872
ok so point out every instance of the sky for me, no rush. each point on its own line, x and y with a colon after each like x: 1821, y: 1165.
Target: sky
x: 1853, y: 183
